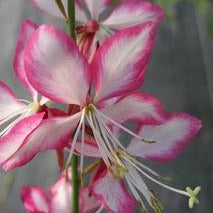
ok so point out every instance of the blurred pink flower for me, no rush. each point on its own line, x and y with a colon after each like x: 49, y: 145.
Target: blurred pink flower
x: 18, y: 117
x: 57, y: 198
x: 94, y: 27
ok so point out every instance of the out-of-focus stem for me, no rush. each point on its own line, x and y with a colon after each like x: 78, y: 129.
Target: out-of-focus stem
x: 74, y: 161
x: 71, y: 18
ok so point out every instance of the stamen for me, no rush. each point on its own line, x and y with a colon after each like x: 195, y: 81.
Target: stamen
x: 157, y: 205
x: 118, y: 169
x: 12, y: 115
x: 102, y: 148
x: 193, y: 196
x: 135, y: 193
x: 75, y: 138
x: 110, y: 133
x: 17, y: 115
x: 147, y: 169
x: 125, y: 129
x: 148, y: 141
x: 104, y: 135
x: 132, y: 188
x: 156, y: 181
x: 82, y: 147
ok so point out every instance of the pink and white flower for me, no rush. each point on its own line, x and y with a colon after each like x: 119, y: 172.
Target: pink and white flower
x: 170, y: 138
x: 12, y: 108
x: 93, y: 27
x: 111, y: 192
x: 57, y: 198
x: 18, y: 117
x: 57, y: 69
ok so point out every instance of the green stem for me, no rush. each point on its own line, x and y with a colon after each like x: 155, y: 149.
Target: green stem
x: 75, y: 184
x: 74, y: 161
x: 71, y: 18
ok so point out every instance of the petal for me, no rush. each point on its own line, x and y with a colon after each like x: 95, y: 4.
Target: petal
x: 119, y: 68
x: 53, y: 133
x: 90, y: 148
x: 99, y: 172
x: 88, y: 201
x: 55, y: 67
x: 11, y: 142
x: 61, y: 200
x: 9, y: 104
x: 35, y: 199
x: 96, y: 7
x: 113, y: 195
x: 49, y: 6
x: 170, y: 137
x: 131, y: 13
x: 26, y: 30
x: 139, y: 107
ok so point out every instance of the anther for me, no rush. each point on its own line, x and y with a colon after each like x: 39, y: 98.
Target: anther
x: 148, y: 141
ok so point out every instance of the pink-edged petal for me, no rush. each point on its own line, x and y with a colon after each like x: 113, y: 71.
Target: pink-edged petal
x: 112, y: 193
x: 90, y: 148
x: 55, y: 67
x: 35, y: 199
x: 9, y: 104
x: 61, y: 200
x: 50, y: 6
x: 96, y: 7
x: 88, y: 202
x: 170, y: 137
x: 131, y: 13
x: 119, y: 68
x: 139, y: 107
x: 11, y: 142
x: 53, y: 133
x: 26, y: 30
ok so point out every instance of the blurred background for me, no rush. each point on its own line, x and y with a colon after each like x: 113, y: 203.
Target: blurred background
x: 180, y: 74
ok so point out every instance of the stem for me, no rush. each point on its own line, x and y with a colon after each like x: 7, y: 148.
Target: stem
x: 75, y: 184
x: 74, y: 161
x: 71, y: 18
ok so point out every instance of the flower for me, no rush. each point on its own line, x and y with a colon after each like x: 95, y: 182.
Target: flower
x: 55, y: 67
x: 57, y: 70
x: 171, y: 136
x: 57, y: 199
x: 112, y: 194
x: 18, y: 117
x: 93, y: 27
x: 12, y: 108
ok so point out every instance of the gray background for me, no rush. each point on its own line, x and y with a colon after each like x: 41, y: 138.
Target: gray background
x: 180, y: 74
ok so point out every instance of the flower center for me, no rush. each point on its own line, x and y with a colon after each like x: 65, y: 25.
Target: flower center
x: 33, y: 108
x: 89, y: 108
x: 89, y: 28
